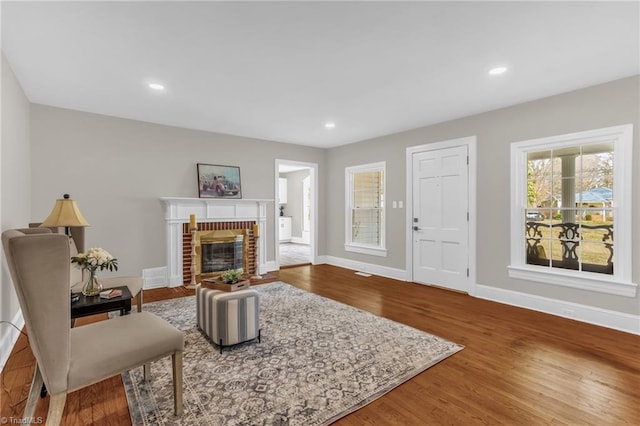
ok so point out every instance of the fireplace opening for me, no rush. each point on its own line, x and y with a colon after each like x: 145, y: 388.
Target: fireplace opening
x: 221, y: 255
x: 220, y: 250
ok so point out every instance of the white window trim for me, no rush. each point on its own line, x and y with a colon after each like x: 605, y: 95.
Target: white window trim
x: 349, y: 245
x: 364, y: 249
x: 620, y: 283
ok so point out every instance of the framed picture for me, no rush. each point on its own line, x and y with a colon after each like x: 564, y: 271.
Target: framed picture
x: 218, y: 181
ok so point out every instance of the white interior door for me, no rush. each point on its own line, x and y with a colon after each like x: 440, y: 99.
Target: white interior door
x: 441, y: 218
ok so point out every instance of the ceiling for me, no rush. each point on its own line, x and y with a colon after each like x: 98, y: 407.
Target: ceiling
x: 279, y: 71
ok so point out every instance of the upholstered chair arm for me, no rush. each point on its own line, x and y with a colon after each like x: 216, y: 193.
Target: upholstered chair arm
x: 30, y: 231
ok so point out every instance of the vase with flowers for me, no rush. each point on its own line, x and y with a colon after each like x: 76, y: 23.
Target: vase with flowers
x: 94, y: 259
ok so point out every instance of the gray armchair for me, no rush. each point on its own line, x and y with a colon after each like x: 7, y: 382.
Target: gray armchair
x: 67, y: 358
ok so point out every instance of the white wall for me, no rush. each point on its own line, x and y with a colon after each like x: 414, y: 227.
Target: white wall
x: 117, y: 169
x: 605, y: 105
x: 15, y: 204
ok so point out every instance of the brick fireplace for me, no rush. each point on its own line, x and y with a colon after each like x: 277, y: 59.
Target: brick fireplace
x: 237, y: 215
x: 210, y: 234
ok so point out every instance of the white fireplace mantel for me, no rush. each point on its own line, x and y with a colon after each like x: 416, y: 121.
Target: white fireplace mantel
x: 178, y: 210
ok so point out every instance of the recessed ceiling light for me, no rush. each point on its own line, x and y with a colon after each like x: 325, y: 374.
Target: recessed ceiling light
x: 156, y: 86
x: 497, y: 70
x: 329, y: 125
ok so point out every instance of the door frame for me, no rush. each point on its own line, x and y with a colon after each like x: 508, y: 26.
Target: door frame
x: 471, y: 143
x: 313, y: 231
x: 304, y: 221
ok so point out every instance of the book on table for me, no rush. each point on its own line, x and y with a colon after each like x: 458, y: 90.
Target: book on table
x: 110, y: 294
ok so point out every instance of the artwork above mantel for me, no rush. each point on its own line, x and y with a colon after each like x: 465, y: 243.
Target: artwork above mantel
x: 177, y: 211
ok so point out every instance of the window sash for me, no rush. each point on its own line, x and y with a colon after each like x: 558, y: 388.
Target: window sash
x: 365, y: 206
x: 366, y: 226
x: 620, y: 282
x: 565, y: 175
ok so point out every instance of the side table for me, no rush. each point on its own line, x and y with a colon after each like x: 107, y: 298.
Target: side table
x: 91, y: 305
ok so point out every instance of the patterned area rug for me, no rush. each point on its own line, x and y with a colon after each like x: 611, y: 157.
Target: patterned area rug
x: 319, y: 360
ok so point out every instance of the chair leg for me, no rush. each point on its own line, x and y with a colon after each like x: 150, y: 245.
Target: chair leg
x: 176, y: 359
x: 147, y: 371
x: 34, y: 394
x: 56, y: 408
x: 139, y: 301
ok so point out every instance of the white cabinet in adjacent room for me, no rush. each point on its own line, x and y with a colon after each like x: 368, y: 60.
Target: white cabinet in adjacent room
x: 285, y: 228
x: 282, y: 190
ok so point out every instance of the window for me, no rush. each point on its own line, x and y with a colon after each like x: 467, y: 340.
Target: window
x: 364, y: 232
x: 571, y: 210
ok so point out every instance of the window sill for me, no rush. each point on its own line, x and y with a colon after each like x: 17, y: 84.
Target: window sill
x: 373, y: 251
x: 582, y: 280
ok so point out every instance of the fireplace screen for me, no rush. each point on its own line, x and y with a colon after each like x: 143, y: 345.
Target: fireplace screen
x: 221, y: 256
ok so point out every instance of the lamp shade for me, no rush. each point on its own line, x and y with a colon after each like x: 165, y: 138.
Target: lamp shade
x: 65, y: 213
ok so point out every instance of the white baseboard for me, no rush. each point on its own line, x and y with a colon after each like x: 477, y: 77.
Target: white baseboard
x: 383, y: 271
x: 268, y: 267
x: 146, y: 286
x: 589, y: 314
x: 299, y: 240
x: 10, y: 338
x: 155, y: 277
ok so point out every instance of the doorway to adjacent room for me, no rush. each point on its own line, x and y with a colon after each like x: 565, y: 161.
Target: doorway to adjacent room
x: 296, y: 211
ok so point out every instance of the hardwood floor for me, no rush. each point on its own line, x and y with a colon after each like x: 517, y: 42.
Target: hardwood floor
x: 518, y: 366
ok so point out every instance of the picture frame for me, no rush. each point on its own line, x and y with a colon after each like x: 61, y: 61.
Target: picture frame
x: 217, y: 181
